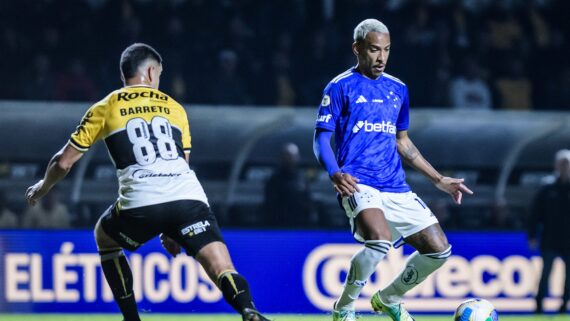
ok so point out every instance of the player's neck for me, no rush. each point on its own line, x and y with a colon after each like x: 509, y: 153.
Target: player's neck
x: 371, y: 77
x: 136, y: 82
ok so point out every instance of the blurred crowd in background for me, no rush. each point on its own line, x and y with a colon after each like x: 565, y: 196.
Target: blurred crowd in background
x: 476, y: 54
x: 288, y: 202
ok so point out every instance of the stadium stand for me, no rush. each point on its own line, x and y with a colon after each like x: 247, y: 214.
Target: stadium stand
x: 255, y: 52
x: 502, y: 155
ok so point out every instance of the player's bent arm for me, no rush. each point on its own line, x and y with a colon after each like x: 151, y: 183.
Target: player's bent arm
x: 412, y: 156
x: 323, y: 151
x: 58, y: 167
x: 60, y: 164
x: 343, y: 183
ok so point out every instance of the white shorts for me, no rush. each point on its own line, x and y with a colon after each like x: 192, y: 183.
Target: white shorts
x: 405, y: 212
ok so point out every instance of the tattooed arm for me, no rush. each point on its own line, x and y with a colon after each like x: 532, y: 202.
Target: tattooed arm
x: 412, y: 156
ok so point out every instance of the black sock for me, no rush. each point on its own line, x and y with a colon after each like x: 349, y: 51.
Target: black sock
x: 120, y: 280
x: 236, y: 291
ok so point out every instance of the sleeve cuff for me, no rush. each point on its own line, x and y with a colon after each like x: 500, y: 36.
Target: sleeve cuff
x: 325, y: 127
x: 77, y: 146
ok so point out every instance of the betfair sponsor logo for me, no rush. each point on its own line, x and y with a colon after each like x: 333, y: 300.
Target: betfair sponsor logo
x: 383, y: 127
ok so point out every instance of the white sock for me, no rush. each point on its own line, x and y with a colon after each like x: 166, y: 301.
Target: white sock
x: 418, y: 268
x: 362, y: 265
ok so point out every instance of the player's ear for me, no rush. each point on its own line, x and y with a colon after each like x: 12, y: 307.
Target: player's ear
x: 149, y: 72
x: 355, y: 48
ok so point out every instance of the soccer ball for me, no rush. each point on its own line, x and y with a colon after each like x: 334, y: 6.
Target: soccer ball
x: 476, y: 310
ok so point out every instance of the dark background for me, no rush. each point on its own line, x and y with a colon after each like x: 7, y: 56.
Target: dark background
x: 283, y: 52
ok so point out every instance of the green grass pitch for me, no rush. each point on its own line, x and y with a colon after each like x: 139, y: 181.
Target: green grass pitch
x: 233, y: 317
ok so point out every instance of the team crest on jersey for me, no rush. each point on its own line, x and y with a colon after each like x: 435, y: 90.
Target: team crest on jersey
x: 326, y: 101
x: 195, y: 228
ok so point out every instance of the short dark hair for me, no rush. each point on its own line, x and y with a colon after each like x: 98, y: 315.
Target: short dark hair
x: 134, y: 56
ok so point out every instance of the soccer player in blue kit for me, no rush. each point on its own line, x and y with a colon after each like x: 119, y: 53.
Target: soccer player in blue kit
x: 368, y: 112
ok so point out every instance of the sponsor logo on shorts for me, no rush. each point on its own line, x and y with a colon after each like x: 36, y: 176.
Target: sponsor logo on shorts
x: 129, y: 240
x: 195, y: 228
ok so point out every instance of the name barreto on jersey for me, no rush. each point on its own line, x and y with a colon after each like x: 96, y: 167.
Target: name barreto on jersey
x: 128, y: 96
x: 143, y: 109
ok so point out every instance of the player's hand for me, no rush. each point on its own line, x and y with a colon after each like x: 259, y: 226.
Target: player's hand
x: 169, y: 245
x: 345, y: 184
x: 35, y: 192
x: 454, y: 187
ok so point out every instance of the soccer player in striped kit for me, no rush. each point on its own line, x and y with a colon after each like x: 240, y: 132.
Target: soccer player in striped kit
x: 367, y: 110
x: 148, y: 138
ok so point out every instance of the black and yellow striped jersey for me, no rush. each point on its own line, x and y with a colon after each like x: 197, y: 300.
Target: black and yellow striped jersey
x: 146, y: 133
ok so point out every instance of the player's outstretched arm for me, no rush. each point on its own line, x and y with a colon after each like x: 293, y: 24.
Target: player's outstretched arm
x: 58, y: 167
x: 412, y: 156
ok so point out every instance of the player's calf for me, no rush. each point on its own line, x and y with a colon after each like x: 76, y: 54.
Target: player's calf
x: 235, y: 289
x: 236, y: 292
x: 418, y: 268
x: 362, y: 264
x: 120, y: 279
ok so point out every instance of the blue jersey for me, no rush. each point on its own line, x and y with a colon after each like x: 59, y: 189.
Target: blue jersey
x: 365, y: 115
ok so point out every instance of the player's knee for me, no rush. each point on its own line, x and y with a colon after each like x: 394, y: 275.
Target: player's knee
x: 376, y: 234
x: 215, y: 259
x: 440, y: 247
x: 103, y: 240
x: 96, y: 232
x: 440, y: 256
x: 218, y: 269
x: 433, y: 245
